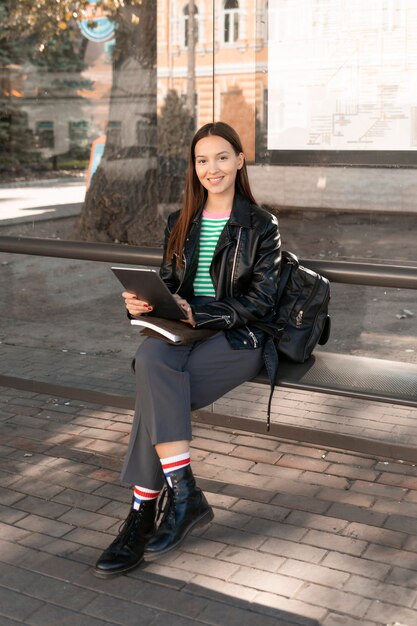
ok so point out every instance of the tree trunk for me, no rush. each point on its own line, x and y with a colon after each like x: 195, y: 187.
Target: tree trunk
x: 121, y: 203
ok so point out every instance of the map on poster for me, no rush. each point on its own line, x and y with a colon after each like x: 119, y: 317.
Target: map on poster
x: 342, y: 75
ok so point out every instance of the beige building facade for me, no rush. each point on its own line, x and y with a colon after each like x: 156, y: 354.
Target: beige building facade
x: 230, y: 77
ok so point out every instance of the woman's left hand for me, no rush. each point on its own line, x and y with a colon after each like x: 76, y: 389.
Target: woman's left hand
x: 187, y: 309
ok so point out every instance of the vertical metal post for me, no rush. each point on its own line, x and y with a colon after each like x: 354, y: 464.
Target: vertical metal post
x: 214, y: 44
x: 191, y: 58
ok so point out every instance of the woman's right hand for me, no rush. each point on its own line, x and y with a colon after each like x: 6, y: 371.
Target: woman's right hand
x: 135, y: 306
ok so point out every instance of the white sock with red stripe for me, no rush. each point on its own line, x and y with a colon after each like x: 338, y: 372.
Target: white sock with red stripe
x: 173, y: 463
x: 141, y: 494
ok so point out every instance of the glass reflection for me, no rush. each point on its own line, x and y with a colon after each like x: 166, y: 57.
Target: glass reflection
x: 107, y: 99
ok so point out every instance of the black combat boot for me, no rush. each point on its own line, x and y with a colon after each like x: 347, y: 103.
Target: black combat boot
x: 126, y: 551
x: 186, y: 507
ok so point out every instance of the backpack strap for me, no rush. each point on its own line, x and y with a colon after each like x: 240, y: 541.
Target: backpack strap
x: 271, y: 360
x: 274, y: 332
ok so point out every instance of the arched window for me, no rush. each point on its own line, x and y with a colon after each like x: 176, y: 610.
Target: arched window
x: 231, y: 21
x: 186, y: 14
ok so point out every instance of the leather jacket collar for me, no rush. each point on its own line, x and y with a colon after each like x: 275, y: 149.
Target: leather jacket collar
x: 240, y: 216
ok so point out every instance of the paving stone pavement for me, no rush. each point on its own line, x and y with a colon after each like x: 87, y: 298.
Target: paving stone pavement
x: 301, y: 536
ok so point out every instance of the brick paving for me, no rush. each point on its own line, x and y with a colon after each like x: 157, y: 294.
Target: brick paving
x: 302, y: 535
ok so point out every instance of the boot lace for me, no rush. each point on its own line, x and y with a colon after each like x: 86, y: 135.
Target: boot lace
x: 166, y: 505
x: 128, y: 528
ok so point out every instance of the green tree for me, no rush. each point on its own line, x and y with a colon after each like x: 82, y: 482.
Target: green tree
x: 17, y: 153
x: 9, y: 47
x: 54, y: 65
x: 16, y: 139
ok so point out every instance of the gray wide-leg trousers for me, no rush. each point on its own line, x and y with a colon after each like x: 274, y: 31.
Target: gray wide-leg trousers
x: 171, y: 381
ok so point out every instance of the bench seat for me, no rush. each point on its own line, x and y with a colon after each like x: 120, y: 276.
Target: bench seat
x: 336, y: 374
x: 350, y: 375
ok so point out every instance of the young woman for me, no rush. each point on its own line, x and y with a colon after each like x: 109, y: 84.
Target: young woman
x: 222, y: 260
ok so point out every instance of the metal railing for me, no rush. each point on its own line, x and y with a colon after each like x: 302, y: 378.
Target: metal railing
x: 347, y: 272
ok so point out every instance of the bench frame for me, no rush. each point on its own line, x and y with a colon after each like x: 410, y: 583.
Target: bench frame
x: 337, y: 374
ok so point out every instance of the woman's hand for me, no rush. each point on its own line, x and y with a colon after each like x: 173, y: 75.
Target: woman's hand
x: 186, y: 308
x: 135, y: 306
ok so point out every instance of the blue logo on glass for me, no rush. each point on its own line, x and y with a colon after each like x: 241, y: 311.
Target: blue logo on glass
x: 96, y: 26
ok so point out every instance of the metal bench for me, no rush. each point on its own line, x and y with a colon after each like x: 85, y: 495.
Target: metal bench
x: 339, y: 374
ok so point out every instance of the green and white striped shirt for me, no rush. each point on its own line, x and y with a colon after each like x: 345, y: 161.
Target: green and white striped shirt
x: 209, y: 236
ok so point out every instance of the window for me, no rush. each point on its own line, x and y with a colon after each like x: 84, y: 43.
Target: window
x: 45, y: 134
x: 114, y: 134
x: 146, y: 134
x: 78, y: 133
x: 231, y: 21
x: 186, y: 13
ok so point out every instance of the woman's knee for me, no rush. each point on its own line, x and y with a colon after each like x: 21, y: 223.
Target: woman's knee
x: 140, y: 356
x: 149, y: 355
x: 143, y: 355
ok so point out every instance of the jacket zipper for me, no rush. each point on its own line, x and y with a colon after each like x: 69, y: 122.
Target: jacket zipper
x: 234, y: 260
x: 299, y: 317
x: 215, y: 318
x: 253, y: 337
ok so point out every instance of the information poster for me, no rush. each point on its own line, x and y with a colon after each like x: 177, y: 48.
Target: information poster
x: 342, y: 75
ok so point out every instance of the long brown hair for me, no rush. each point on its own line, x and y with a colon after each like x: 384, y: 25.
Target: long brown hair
x: 195, y: 195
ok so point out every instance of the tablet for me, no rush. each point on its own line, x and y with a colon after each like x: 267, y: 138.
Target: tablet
x: 149, y: 287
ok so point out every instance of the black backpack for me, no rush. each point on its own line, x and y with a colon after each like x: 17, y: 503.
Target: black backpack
x: 302, y: 309
x: 301, y: 318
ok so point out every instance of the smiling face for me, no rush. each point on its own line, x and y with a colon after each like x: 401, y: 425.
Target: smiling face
x: 216, y: 165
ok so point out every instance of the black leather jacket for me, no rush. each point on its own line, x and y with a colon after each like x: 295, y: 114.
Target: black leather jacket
x: 245, y: 273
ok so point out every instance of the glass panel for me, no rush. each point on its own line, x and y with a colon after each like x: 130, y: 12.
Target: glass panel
x: 97, y: 110
x: 87, y: 108
x: 55, y: 85
x: 296, y: 97
x: 334, y: 158
x: 108, y: 100
x: 111, y: 111
x: 50, y: 334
